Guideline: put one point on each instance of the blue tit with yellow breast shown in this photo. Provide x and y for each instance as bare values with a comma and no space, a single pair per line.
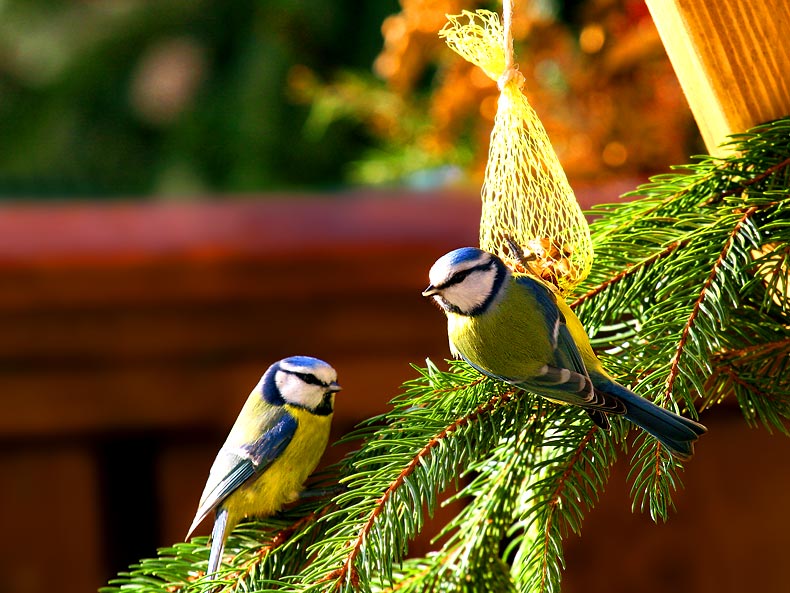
274,445
515,328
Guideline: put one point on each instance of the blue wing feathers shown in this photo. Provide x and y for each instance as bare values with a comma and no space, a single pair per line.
566,353
239,470
261,453
270,445
545,299
233,467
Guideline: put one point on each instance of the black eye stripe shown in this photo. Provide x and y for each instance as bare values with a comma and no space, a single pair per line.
461,276
308,378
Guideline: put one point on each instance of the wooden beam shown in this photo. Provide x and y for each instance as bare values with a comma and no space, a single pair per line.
732,58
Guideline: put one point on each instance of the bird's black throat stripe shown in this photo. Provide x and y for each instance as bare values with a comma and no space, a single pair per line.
325,407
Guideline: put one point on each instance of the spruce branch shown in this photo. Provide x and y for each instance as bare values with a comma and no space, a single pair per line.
697,299
770,171
491,497
567,481
700,304
630,270
549,556
415,470
688,303
348,570
655,477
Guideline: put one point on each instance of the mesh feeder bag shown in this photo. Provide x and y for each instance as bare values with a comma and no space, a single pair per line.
528,204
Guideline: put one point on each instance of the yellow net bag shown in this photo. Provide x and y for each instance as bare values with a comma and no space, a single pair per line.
527,200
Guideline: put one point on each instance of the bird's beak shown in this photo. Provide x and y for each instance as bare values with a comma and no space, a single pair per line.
334,387
430,291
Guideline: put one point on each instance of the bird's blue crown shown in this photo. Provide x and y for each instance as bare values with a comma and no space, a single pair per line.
464,255
305,362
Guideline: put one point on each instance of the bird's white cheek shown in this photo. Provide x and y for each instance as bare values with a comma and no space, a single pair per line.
287,384
465,297
308,396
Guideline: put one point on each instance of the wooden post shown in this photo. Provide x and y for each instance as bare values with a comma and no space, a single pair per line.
732,58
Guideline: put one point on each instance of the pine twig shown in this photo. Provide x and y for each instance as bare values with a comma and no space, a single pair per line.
554,501
628,271
348,570
674,366
756,179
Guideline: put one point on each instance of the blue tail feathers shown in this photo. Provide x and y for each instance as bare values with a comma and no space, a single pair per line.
675,432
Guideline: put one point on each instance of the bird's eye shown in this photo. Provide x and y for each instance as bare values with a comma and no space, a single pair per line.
460,276
309,378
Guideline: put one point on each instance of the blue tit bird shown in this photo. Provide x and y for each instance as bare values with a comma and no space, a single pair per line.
274,445
515,328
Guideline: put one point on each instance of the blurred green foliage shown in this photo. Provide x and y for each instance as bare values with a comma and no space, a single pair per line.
143,97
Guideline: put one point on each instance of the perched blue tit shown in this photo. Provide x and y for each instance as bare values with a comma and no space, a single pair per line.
515,328
274,445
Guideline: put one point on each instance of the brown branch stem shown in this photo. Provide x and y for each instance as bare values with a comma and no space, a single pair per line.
674,367
630,269
672,246
348,568
554,500
761,349
756,179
